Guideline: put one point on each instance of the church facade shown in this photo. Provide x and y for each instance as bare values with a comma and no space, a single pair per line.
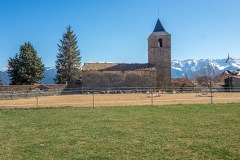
156,73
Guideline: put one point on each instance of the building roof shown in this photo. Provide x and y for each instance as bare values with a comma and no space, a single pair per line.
237,77
117,66
226,74
184,82
159,27
232,72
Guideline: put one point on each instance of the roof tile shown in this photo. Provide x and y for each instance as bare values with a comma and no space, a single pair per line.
117,66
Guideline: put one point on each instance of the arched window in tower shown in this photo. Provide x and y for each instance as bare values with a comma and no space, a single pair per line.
160,44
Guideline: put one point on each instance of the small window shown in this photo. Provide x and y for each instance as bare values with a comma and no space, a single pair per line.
160,44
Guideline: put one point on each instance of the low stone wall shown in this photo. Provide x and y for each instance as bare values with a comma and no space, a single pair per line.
25,91
29,87
15,88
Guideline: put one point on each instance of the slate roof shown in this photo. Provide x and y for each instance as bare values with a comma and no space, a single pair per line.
220,79
159,27
117,66
232,72
159,30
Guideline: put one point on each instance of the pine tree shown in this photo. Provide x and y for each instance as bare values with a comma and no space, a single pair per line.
26,67
68,63
13,68
1,81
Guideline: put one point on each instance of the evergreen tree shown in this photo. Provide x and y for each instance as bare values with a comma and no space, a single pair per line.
68,63
26,67
13,68
1,81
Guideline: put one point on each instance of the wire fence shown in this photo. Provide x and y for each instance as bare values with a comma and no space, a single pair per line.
124,96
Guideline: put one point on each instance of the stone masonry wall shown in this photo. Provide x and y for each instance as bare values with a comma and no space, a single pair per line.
26,91
235,82
118,79
161,58
17,88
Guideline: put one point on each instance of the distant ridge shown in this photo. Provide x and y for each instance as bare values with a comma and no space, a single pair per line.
190,67
49,75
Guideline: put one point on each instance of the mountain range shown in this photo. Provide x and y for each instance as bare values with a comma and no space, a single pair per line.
189,68
49,75
180,69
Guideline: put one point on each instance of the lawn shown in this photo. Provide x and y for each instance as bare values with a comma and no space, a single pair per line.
142,132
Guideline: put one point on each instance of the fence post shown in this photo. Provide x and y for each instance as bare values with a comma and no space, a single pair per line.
211,95
152,97
93,100
37,101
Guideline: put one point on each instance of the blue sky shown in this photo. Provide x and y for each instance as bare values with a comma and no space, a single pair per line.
117,30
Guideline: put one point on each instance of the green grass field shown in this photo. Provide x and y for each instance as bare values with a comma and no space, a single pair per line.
165,132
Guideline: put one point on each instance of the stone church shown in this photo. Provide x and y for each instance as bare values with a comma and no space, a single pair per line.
156,73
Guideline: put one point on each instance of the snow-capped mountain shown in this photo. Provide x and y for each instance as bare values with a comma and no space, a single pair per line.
4,76
190,67
49,75
180,69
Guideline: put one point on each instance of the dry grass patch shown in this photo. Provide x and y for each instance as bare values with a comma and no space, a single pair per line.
119,100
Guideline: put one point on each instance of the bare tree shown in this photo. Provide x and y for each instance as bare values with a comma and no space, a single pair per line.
206,77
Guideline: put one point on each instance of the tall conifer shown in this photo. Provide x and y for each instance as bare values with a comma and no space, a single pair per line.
26,67
68,63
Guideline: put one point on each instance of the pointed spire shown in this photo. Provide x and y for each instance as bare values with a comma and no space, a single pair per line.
159,27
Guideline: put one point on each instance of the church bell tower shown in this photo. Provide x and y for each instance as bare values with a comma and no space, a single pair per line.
159,54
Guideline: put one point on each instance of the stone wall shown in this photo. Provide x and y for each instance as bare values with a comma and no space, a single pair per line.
236,83
118,79
26,91
17,88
